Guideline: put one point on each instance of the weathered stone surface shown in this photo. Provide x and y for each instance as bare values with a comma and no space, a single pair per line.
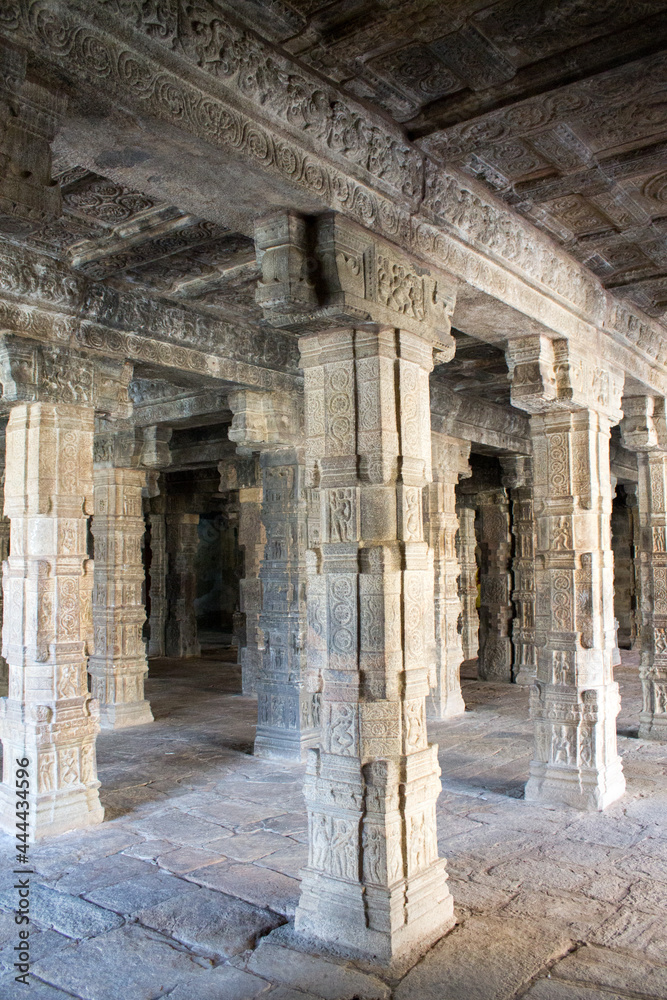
609,969
66,914
210,922
222,983
484,960
306,972
259,886
139,893
130,962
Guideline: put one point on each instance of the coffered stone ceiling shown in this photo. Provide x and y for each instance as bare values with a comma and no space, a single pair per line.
558,105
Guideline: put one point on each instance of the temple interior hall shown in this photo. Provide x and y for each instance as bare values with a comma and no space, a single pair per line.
333,463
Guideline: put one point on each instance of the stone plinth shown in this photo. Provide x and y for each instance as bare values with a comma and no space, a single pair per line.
118,665
374,885
49,715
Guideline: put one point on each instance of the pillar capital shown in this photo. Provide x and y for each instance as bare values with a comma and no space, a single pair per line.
329,272
549,375
644,424
263,421
32,372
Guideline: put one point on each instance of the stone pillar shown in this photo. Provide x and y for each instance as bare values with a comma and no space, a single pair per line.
644,429
517,476
287,711
4,553
244,476
157,620
285,724
49,715
632,501
495,611
118,666
575,701
374,885
182,539
622,543
466,545
450,460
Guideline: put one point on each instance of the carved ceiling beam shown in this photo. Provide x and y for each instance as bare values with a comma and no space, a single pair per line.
44,301
182,408
331,152
470,418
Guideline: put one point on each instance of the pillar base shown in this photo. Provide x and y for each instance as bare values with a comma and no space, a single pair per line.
451,707
282,744
124,714
53,813
652,727
409,918
525,677
588,789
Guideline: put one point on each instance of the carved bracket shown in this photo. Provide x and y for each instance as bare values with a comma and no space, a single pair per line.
550,374
335,273
263,421
644,423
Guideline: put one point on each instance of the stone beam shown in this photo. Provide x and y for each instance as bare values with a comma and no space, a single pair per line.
474,419
294,141
46,302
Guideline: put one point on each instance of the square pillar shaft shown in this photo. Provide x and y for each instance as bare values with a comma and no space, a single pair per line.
496,611
374,885
118,666
575,700
157,619
653,593
466,544
181,626
49,715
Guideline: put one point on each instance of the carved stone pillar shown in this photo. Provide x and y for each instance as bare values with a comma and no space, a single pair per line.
4,553
575,701
466,545
157,619
118,666
450,460
517,475
632,501
287,719
374,884
644,429
182,539
49,715
244,476
495,611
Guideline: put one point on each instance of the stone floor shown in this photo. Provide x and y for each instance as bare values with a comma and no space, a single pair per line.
184,888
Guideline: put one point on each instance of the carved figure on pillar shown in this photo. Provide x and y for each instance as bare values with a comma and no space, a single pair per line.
517,476
450,461
575,701
466,545
644,430
495,611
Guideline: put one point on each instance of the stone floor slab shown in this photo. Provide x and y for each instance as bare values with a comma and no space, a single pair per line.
610,969
129,963
332,981
222,983
36,990
213,923
551,989
139,893
488,958
73,917
101,873
260,886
